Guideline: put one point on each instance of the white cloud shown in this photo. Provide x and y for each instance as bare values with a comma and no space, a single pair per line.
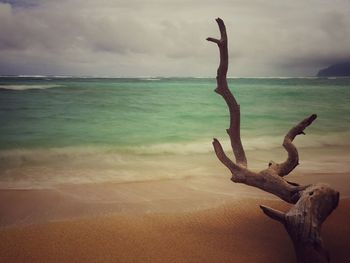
131,38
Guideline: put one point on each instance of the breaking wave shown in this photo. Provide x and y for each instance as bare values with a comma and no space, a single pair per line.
37,168
27,87
250,144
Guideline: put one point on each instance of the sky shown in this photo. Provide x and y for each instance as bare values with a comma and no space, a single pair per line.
130,38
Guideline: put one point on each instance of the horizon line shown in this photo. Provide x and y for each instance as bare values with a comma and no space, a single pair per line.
163,77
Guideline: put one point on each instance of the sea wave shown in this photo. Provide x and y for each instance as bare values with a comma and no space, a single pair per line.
36,168
27,87
179,148
249,143
151,79
42,168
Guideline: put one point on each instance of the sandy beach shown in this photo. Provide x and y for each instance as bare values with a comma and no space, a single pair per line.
187,220
119,120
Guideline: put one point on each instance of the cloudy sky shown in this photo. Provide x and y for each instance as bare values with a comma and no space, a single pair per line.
124,38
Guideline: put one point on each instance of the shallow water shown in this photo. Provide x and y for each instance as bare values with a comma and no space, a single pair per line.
57,130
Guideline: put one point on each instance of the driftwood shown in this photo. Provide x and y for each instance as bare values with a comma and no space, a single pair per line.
312,203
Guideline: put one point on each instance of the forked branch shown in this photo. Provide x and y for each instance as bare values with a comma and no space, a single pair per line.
292,161
313,203
222,89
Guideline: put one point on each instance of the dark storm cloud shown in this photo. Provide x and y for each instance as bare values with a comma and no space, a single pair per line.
128,38
21,3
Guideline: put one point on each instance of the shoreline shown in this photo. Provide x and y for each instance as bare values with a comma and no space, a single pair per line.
189,194
33,206
193,219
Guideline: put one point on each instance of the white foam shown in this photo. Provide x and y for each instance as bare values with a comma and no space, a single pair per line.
93,164
250,144
32,170
38,168
31,76
27,87
151,79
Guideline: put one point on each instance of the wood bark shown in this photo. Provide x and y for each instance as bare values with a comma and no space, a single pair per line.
312,203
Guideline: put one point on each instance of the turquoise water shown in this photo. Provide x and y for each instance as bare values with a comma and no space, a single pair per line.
48,119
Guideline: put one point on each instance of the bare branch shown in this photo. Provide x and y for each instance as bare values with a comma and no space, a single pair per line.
313,203
223,90
234,168
292,161
217,41
274,214
267,180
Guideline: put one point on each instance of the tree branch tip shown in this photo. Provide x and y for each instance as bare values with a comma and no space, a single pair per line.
273,213
217,144
310,119
211,39
219,20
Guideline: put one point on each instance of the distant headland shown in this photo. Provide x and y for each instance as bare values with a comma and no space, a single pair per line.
336,70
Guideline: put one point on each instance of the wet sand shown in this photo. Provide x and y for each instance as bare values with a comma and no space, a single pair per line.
187,220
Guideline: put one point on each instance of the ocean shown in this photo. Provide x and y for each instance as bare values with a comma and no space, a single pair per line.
57,130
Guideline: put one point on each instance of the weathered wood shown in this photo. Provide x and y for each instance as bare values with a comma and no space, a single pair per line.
222,89
293,157
267,180
304,220
313,203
